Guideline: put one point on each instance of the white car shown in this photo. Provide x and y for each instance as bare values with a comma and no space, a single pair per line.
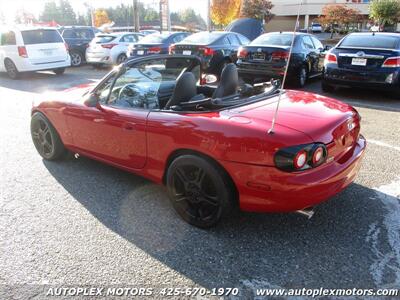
26,49
110,49
316,28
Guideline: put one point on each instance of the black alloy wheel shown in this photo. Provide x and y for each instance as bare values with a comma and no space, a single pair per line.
121,58
198,190
45,138
76,59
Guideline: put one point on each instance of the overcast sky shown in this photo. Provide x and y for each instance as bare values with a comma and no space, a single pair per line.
9,7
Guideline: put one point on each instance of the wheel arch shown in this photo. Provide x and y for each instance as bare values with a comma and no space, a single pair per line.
179,152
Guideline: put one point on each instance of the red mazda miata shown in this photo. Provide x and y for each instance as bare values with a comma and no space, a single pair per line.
210,145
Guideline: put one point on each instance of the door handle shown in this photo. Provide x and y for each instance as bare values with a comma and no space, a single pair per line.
129,126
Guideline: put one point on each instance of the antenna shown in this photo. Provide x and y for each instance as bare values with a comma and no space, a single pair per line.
271,130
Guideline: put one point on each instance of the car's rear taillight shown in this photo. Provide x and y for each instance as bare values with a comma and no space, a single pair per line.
301,157
66,46
392,62
207,51
154,50
330,58
108,46
22,51
171,49
278,55
242,53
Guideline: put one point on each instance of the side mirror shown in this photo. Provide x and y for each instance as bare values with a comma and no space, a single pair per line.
91,100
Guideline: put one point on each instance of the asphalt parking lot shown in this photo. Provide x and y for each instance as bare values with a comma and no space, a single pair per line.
82,222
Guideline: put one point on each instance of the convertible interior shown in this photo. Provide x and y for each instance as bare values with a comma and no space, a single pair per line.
178,84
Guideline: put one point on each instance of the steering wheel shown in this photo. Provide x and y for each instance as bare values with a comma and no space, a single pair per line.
129,91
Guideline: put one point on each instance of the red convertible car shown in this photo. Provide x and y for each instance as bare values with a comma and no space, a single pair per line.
209,145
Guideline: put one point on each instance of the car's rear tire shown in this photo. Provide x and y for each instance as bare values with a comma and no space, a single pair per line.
301,76
59,71
326,87
76,58
199,190
121,58
11,69
46,139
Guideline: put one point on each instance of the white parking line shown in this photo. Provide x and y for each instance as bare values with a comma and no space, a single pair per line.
383,144
387,259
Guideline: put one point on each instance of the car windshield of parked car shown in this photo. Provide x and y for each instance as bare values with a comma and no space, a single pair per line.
41,36
101,39
370,41
203,38
155,38
273,39
143,85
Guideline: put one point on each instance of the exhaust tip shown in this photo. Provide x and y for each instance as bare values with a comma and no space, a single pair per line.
307,212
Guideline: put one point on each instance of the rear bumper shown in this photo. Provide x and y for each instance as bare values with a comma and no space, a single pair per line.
99,58
267,189
384,79
24,65
262,70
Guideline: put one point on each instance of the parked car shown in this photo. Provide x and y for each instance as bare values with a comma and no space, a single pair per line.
110,49
316,28
266,57
25,49
216,153
148,31
364,60
216,48
78,39
156,43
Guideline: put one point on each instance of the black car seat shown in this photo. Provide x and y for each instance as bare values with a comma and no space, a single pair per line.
185,89
228,83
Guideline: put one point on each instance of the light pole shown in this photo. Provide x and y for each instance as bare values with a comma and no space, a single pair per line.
208,15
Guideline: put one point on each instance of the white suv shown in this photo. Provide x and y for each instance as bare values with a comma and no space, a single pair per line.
32,49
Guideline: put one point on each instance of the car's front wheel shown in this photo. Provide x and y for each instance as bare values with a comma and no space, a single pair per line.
199,190
45,138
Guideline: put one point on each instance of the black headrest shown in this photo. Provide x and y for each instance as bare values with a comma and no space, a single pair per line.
185,89
229,82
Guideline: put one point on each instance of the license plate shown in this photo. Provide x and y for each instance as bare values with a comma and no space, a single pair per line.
359,61
47,52
259,56
140,52
187,52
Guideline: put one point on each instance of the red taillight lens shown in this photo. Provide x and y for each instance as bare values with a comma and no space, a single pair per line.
318,156
242,53
171,49
22,51
154,50
66,46
300,159
330,58
392,62
207,51
280,55
108,46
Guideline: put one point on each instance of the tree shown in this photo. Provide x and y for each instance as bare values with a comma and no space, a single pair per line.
24,17
334,14
50,12
67,14
2,18
224,11
257,9
385,12
100,17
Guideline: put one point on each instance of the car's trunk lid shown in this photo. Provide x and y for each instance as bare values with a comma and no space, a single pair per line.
324,120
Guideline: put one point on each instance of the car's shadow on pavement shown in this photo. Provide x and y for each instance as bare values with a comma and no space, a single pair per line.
343,246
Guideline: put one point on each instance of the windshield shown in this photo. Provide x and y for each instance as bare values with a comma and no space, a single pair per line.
41,36
155,38
370,41
100,39
203,38
273,39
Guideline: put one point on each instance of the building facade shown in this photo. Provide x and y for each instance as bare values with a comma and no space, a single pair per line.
285,12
